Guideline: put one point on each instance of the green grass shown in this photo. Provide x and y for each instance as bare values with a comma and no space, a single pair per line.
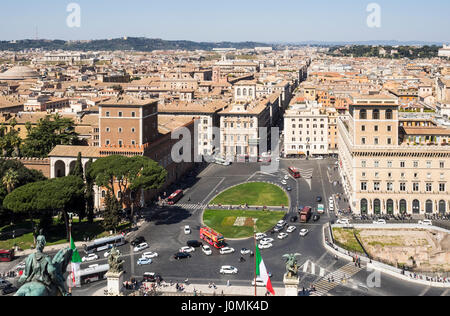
222,221
259,193
57,234
345,239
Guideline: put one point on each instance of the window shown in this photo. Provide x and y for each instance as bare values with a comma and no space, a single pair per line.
363,140
390,186
376,186
416,164
133,130
133,142
388,114
389,128
363,186
375,128
363,114
375,141
108,129
376,164
376,114
389,164
402,164
363,164
107,142
363,128
133,114
402,187
120,114
120,129
441,187
107,114
428,164
441,164
429,187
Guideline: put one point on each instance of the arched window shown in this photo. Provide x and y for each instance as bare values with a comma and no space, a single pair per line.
244,92
390,206
442,208
377,206
363,115
250,92
238,92
364,206
376,114
388,114
429,206
416,207
403,207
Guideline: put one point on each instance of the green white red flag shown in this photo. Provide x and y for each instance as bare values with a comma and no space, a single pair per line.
75,264
261,271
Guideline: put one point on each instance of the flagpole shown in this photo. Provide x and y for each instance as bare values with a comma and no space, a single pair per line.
254,237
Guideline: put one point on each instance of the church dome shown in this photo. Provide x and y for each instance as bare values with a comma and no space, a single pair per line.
19,73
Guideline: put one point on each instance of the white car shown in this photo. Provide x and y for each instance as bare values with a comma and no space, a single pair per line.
91,257
187,249
281,223
141,247
187,230
207,250
380,222
286,177
150,255
304,232
283,236
228,270
260,236
291,229
245,251
106,254
283,182
343,221
259,282
265,246
426,222
144,261
226,250
266,241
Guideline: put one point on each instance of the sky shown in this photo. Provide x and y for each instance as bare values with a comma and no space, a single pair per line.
231,20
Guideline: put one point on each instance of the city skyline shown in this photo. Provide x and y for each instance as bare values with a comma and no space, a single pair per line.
285,22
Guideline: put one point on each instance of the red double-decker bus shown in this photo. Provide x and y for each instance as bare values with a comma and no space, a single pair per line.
175,197
6,255
212,237
294,172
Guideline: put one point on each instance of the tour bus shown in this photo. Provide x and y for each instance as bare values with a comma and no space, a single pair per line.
294,172
6,255
211,237
175,197
221,161
104,244
93,273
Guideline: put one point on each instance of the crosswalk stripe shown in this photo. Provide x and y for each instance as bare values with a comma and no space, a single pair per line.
324,286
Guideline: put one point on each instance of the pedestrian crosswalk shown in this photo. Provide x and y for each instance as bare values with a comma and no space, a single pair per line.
334,279
311,268
190,206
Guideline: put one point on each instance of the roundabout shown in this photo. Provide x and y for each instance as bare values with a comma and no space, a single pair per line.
243,207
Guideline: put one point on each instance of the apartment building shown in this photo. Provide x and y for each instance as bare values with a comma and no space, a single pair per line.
306,130
389,169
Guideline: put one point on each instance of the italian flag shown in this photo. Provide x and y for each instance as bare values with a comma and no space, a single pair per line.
75,265
261,271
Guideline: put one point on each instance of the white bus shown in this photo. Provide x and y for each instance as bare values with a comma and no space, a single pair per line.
93,273
104,244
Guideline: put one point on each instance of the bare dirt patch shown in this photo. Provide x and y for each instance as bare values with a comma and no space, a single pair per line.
424,250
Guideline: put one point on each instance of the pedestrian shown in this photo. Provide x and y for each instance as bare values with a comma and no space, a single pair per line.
228,283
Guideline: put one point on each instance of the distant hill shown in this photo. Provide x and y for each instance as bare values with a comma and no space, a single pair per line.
130,43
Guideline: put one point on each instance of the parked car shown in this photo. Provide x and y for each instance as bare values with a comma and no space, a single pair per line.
278,228
228,270
141,247
343,221
266,241
90,257
194,243
265,246
260,236
283,236
182,255
291,229
187,249
137,241
282,223
150,255
207,250
226,250
426,222
380,222
304,232
144,261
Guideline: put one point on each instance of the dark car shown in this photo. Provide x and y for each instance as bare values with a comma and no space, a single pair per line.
278,228
181,255
137,241
316,217
194,243
9,290
289,189
319,199
294,219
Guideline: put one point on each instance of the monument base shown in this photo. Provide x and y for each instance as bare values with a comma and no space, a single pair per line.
115,283
291,285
